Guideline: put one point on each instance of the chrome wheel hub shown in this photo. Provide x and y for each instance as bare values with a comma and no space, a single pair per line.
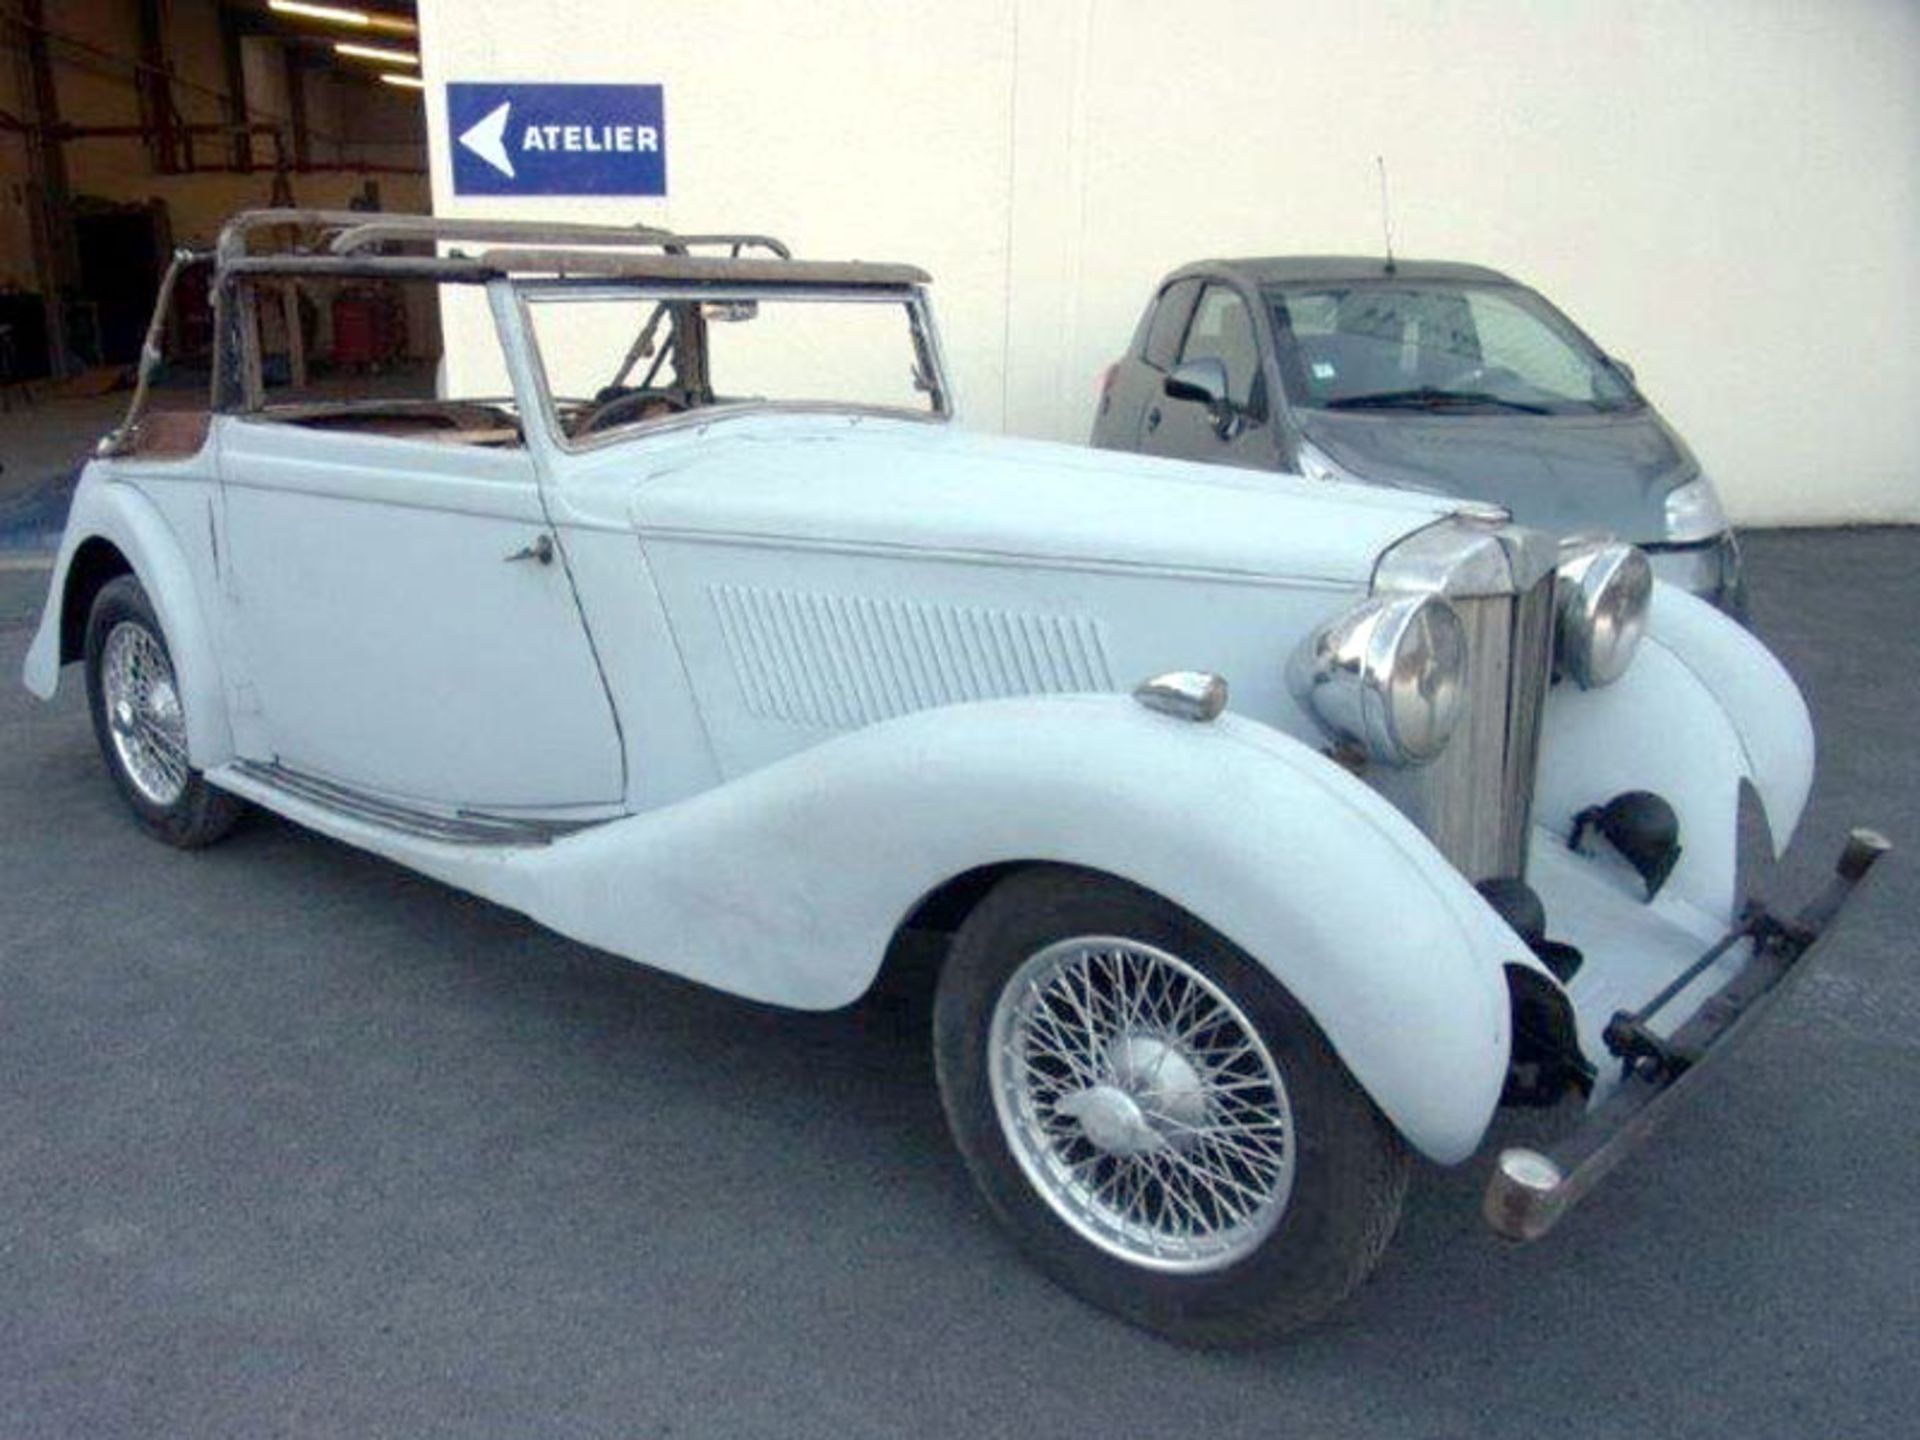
1111,1120
1153,1095
1141,1103
144,718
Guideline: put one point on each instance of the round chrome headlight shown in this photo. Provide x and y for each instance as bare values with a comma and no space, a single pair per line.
1603,597
1389,675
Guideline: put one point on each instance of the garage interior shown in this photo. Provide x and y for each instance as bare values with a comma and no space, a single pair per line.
132,128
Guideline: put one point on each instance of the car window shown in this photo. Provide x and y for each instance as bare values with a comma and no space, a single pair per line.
618,354
834,353
1447,348
364,355
1222,330
1512,340
1169,324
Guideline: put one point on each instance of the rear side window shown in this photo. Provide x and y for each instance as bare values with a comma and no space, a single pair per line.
1169,324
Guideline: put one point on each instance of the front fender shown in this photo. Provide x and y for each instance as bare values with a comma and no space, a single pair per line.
119,514
787,884
1704,707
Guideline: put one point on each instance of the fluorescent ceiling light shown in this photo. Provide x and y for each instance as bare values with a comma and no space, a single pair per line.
358,18
405,82
337,15
377,53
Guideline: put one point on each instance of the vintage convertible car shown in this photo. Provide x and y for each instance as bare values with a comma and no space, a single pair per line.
708,641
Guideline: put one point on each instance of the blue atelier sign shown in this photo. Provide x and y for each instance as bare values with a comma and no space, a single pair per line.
557,139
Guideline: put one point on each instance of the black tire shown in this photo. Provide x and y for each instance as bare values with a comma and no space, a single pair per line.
200,814
1349,1165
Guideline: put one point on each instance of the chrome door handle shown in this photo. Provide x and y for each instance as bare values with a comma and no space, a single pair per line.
541,550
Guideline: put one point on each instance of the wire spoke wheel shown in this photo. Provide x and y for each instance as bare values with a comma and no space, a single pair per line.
1141,1103
1158,1122
143,714
140,720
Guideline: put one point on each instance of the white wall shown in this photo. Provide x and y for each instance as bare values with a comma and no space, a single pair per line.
1726,194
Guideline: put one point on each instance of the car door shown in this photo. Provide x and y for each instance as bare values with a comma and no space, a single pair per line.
1223,329
407,627
1135,380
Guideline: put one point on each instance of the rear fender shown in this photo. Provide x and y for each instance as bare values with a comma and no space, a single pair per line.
787,885
127,520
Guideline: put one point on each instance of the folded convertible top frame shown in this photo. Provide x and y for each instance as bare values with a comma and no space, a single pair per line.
354,232
346,244
571,263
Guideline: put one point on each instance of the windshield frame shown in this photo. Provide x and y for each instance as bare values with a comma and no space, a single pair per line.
1291,373
922,332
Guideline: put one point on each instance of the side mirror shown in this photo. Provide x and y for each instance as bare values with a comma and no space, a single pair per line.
1625,369
1204,382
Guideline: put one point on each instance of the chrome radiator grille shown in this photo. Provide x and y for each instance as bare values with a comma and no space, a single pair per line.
1480,796
1475,801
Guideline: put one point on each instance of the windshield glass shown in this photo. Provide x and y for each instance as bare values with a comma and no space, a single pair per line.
617,356
1439,348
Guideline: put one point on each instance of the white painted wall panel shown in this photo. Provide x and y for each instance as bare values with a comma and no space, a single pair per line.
1725,194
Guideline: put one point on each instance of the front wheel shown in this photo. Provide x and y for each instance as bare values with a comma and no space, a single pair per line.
1158,1123
141,725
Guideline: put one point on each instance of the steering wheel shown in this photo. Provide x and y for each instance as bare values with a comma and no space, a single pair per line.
613,410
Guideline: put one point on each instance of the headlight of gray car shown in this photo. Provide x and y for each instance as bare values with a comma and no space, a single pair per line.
1603,593
1390,675
1694,512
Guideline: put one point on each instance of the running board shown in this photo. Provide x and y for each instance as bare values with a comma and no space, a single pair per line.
457,827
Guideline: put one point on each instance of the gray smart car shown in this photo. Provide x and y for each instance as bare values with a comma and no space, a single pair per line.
1423,375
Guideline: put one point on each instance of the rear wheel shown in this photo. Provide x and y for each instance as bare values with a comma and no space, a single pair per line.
141,725
1159,1124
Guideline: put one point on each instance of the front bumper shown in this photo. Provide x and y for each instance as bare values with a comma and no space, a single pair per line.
1532,1189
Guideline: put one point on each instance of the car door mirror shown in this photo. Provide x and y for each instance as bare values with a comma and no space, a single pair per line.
1625,369
1204,382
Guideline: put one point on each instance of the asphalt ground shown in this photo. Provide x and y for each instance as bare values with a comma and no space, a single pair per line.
295,1143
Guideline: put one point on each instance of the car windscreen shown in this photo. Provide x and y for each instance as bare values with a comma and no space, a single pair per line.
615,356
1441,349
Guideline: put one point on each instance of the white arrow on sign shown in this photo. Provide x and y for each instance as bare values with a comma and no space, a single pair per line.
487,138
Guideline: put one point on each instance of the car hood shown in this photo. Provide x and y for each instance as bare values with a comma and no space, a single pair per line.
1567,474
891,486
